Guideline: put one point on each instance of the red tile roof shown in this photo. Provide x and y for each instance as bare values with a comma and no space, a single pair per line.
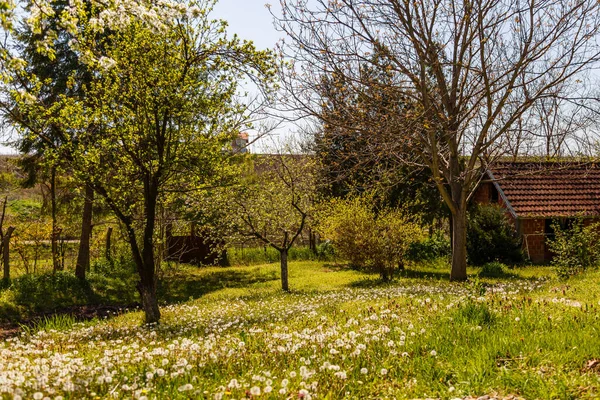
549,189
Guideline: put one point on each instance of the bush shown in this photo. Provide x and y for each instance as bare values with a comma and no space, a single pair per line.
432,248
492,269
492,237
114,282
48,292
9,310
575,249
375,240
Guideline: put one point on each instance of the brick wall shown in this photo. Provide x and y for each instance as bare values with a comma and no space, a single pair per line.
534,240
482,194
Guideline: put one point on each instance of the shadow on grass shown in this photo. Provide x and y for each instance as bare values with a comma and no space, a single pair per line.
181,287
375,281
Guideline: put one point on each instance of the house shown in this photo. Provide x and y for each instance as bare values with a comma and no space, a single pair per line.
535,194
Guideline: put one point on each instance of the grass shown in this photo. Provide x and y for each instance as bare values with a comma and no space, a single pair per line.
339,333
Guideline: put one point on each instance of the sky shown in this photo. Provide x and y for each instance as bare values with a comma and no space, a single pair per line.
250,19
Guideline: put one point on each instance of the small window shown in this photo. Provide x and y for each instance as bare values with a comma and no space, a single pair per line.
493,194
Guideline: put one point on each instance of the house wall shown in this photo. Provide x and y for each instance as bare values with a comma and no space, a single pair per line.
534,239
483,194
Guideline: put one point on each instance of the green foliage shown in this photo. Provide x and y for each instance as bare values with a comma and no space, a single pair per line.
433,247
575,249
493,269
366,238
8,181
9,310
112,281
48,292
25,208
491,236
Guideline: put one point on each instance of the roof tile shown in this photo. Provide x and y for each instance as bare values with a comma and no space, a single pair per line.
550,189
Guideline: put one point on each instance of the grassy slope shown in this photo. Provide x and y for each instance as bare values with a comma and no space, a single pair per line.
420,336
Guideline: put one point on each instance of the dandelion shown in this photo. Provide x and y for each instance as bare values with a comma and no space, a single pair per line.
268,389
341,374
234,384
38,396
517,319
185,388
383,371
255,391
433,353
364,371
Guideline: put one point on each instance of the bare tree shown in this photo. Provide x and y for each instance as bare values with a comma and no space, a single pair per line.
473,70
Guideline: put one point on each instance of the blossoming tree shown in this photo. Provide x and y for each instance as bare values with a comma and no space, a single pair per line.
161,104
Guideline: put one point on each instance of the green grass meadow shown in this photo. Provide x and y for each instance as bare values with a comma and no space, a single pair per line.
230,333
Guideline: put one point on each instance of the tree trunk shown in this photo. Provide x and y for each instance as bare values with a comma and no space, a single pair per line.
459,244
55,258
107,253
147,285
83,255
284,270
6,252
312,241
149,301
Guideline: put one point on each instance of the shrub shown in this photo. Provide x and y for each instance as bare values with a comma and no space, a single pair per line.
494,269
491,236
432,248
9,310
366,238
114,282
576,248
47,292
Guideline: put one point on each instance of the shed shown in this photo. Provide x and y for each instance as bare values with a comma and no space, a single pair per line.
535,194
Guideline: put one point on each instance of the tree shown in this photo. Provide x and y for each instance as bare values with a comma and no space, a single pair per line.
156,116
270,203
353,148
472,70
53,73
274,203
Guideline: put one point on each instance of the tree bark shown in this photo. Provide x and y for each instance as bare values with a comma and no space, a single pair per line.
312,241
107,250
83,255
459,244
284,270
147,269
54,239
6,252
